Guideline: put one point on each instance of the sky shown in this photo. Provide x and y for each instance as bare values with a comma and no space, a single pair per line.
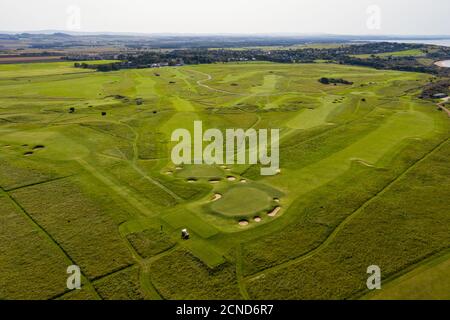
393,17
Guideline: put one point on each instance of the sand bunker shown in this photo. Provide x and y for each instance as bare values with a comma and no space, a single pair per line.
27,154
276,200
257,219
243,223
274,212
191,180
364,163
39,147
178,168
231,178
243,181
214,181
216,197
169,172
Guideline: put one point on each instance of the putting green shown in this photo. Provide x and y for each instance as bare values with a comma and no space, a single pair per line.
242,201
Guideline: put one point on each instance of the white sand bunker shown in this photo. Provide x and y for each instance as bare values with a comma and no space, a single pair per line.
216,197
257,219
214,181
224,167
243,223
178,168
364,163
191,180
231,178
243,181
274,212
169,172
276,200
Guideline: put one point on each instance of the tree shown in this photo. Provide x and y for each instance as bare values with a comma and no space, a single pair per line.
324,81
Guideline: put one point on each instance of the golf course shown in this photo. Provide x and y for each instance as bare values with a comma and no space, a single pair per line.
86,179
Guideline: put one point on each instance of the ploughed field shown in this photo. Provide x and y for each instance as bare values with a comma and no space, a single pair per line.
86,179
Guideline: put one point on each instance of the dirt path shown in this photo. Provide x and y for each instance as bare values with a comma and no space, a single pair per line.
442,105
135,166
150,291
209,78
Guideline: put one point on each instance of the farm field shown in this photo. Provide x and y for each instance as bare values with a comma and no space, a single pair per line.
86,178
404,53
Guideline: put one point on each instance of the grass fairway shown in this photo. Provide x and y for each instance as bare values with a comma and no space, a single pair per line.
86,179
310,118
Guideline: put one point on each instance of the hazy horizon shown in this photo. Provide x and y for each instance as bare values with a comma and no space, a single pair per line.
281,34
238,17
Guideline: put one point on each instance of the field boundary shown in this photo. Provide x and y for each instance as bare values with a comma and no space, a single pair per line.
49,238
365,294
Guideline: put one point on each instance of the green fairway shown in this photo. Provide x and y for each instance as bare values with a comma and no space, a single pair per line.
311,118
86,178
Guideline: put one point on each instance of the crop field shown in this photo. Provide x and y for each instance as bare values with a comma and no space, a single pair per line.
404,53
86,179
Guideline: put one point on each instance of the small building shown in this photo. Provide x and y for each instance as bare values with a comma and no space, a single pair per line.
185,234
